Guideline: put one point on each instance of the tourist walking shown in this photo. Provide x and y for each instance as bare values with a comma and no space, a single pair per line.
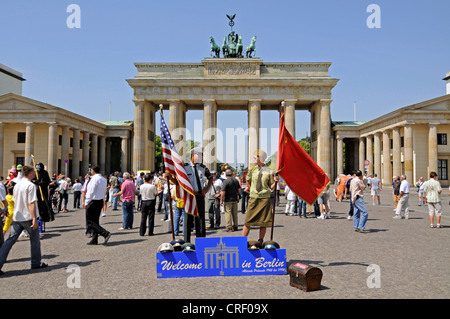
148,203
244,191
432,191
403,202
324,206
396,191
290,201
26,214
348,195
229,197
360,213
127,191
420,191
93,203
76,188
375,189
213,202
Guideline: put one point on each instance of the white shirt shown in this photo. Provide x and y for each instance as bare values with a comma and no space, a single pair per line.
375,182
404,187
77,187
96,188
148,191
2,192
290,195
24,194
62,185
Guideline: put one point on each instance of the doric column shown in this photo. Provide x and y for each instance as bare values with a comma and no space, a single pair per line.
65,145
102,155
289,116
52,158
108,156
1,146
377,154
396,152
139,136
210,133
150,151
124,154
177,125
340,155
362,153
432,148
29,141
408,152
254,122
76,154
324,137
387,169
94,149
85,167
369,154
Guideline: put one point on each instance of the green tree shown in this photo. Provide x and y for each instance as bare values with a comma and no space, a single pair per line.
159,163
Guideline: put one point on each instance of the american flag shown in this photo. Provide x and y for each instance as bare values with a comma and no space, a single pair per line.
174,165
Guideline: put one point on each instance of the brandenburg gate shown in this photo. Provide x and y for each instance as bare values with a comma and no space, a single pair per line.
230,83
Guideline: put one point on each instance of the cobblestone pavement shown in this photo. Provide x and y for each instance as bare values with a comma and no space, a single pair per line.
413,259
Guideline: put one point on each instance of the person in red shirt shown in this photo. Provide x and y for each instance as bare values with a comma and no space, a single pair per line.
127,191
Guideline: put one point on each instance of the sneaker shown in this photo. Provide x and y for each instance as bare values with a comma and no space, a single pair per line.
432,226
439,226
397,217
349,217
42,265
121,228
328,216
321,217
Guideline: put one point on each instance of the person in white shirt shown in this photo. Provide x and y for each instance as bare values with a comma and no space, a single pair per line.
26,214
76,194
403,203
148,197
63,190
290,204
93,203
375,189
432,192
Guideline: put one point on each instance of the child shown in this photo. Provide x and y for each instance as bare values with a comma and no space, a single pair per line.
9,218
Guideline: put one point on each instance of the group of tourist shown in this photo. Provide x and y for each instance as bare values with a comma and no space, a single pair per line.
256,189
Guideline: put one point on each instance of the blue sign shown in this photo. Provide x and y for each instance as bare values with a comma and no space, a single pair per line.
221,256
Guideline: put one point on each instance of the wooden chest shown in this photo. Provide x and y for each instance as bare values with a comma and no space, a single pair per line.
305,277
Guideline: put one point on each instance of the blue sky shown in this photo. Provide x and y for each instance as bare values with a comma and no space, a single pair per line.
82,70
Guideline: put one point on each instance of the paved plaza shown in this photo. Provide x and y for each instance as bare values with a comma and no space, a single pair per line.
413,259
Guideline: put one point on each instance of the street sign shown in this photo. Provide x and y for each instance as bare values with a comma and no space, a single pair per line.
66,161
366,163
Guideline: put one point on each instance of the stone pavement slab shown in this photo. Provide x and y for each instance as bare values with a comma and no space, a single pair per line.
411,258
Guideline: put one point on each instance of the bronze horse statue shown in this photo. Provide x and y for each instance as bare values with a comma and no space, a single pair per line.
215,49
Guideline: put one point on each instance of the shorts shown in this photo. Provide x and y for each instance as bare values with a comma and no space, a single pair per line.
435,209
323,199
375,192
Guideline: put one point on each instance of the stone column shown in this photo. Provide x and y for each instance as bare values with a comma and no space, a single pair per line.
76,154
52,158
324,137
177,125
102,155
396,152
289,115
108,156
94,150
408,152
387,169
210,133
1,145
340,156
85,167
254,122
29,142
432,148
139,136
362,153
377,154
65,145
150,109
124,154
369,154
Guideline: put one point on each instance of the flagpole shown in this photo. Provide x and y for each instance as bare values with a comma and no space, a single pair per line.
168,189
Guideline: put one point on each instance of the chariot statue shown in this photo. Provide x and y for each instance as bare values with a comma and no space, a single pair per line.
232,46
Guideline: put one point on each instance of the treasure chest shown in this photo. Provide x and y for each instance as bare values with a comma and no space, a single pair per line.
305,277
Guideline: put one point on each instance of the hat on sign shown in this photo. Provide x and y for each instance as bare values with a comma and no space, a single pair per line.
165,248
270,244
177,244
254,244
188,247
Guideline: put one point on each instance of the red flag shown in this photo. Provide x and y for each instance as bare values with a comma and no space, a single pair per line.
303,176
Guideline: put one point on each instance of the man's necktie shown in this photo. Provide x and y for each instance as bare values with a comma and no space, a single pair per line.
199,185
259,182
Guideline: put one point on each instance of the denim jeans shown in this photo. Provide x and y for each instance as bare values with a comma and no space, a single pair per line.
179,216
360,214
35,242
115,199
127,214
301,204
